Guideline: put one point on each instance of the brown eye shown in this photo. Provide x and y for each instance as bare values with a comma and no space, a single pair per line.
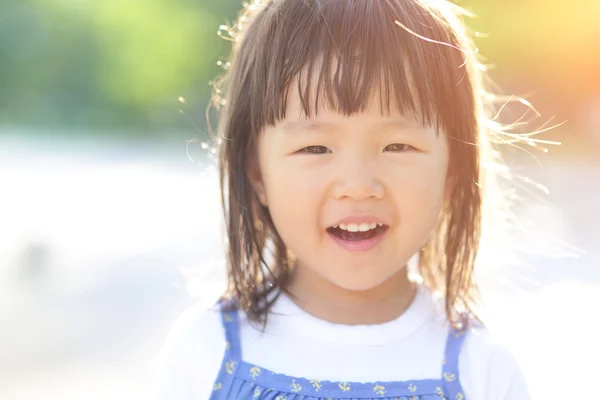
315,150
399,148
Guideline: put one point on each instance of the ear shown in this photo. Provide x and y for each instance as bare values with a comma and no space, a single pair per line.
256,179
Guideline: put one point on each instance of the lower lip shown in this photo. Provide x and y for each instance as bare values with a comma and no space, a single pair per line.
359,245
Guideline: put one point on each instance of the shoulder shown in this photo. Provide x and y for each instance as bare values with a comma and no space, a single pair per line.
488,368
197,327
191,355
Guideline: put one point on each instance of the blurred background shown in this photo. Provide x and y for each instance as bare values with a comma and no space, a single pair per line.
109,222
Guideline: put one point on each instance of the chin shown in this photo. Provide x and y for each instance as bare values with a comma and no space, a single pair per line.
358,283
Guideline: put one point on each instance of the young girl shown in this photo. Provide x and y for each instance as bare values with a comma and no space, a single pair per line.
353,138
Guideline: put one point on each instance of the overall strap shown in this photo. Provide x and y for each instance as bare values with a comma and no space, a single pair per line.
452,387
230,321
233,351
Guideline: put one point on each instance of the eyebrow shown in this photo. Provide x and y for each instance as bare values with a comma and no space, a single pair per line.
308,125
304,125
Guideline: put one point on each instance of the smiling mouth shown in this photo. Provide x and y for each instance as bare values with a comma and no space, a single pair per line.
357,236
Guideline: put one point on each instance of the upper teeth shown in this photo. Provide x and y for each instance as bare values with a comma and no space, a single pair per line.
365,226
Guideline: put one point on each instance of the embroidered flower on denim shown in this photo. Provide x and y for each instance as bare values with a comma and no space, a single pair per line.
344,386
229,366
440,392
380,390
254,372
448,376
316,384
296,387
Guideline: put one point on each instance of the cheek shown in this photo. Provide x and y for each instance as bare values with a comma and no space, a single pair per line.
294,196
284,176
286,179
419,193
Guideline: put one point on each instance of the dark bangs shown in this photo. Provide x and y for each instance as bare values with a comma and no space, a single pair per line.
343,54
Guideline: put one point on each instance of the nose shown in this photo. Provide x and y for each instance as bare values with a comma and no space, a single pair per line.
357,180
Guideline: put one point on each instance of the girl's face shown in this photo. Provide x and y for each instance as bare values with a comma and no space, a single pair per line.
324,177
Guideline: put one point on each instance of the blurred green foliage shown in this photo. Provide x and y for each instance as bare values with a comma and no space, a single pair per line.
109,63
106,64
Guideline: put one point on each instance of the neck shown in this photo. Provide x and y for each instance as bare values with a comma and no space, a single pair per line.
326,301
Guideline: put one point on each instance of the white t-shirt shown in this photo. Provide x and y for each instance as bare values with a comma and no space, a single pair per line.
298,344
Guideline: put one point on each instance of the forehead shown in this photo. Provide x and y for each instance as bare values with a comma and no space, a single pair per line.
333,121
